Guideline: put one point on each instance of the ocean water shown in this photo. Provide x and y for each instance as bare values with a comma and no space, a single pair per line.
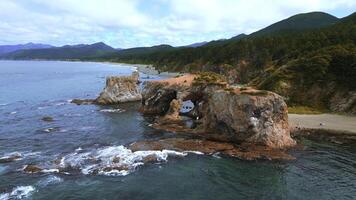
84,140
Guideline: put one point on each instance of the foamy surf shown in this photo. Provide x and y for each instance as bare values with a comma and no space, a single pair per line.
19,192
108,161
118,110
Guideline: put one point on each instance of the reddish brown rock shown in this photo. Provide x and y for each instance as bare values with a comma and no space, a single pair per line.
245,151
221,112
32,169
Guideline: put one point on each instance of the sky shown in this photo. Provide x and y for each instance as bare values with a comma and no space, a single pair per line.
133,23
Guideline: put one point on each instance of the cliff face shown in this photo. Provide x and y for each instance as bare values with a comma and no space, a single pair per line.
253,116
220,112
120,89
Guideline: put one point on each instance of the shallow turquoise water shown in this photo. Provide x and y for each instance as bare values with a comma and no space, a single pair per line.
31,90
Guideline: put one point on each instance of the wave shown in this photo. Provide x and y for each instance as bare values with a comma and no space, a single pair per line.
108,161
19,192
118,110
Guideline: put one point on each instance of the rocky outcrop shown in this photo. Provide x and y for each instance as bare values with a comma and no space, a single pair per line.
258,117
221,112
120,89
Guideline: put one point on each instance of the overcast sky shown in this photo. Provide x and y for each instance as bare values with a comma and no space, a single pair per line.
131,23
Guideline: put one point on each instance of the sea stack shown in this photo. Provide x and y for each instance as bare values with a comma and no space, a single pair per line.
120,89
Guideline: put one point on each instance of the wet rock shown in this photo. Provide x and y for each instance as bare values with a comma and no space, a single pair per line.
246,151
150,159
10,158
120,89
47,119
118,168
32,169
83,101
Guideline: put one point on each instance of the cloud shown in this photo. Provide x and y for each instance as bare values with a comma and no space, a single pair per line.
129,23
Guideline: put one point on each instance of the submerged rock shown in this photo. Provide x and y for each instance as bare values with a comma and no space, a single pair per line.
47,119
221,112
83,101
120,89
10,158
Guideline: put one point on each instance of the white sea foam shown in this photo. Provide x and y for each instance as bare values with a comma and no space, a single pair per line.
19,192
50,170
14,156
12,113
114,160
194,152
118,110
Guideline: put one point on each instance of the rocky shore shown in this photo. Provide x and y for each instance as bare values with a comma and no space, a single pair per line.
236,121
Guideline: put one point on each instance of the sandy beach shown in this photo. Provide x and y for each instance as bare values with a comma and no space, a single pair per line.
324,121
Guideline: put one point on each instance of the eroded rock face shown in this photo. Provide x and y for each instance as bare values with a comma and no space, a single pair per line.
221,112
156,98
120,89
257,117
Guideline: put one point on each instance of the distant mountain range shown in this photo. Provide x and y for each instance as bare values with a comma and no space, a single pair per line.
300,22
80,51
4,49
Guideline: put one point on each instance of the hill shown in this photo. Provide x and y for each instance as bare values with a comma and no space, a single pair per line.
300,22
67,52
309,66
4,49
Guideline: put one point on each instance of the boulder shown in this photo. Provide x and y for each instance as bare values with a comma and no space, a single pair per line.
253,116
120,89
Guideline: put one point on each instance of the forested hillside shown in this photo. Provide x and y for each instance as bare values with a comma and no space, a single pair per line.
313,67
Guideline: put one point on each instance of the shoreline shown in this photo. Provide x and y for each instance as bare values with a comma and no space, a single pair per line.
146,69
334,128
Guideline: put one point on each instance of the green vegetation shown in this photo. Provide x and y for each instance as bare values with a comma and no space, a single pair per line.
209,78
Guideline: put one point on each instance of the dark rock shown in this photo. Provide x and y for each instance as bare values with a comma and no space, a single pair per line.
47,119
83,101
